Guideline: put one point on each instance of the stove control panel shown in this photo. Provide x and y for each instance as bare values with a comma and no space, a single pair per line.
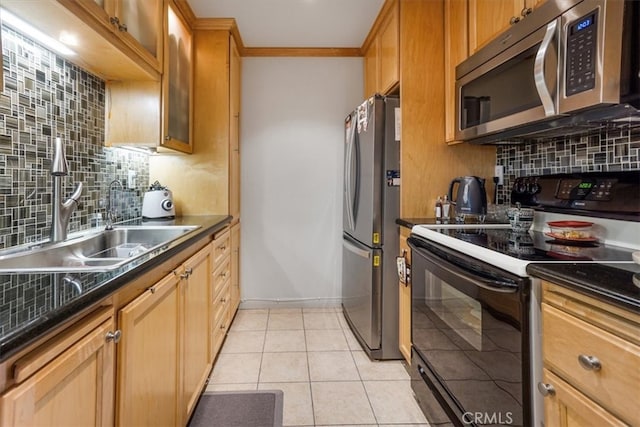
597,192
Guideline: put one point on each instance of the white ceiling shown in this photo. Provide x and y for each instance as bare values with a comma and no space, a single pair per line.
295,23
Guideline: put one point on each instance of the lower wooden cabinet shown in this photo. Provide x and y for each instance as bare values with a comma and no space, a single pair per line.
235,268
148,357
66,381
164,356
196,309
591,355
404,310
169,335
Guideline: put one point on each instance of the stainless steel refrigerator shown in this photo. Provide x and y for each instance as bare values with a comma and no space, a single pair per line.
370,234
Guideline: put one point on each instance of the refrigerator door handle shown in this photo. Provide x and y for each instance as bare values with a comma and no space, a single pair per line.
356,250
350,201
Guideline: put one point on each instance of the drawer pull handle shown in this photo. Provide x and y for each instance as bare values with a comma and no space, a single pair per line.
113,336
546,389
590,363
223,300
222,248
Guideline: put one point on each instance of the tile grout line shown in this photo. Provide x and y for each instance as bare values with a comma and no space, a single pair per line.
304,332
373,412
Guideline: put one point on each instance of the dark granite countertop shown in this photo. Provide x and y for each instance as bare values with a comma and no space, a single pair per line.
612,283
32,304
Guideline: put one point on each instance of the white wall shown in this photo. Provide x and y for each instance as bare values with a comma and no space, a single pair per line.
291,136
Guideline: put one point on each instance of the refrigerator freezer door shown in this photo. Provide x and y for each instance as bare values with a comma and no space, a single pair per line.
362,288
364,172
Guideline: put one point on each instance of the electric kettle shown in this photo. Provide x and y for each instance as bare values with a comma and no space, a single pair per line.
470,198
158,203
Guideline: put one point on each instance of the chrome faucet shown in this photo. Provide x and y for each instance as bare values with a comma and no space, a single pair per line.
111,214
61,211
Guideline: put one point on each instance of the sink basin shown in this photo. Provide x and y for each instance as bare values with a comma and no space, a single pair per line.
92,251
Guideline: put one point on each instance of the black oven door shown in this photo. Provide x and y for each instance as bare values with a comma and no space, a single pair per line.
470,338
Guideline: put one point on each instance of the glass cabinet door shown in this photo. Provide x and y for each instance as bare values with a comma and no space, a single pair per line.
142,21
177,84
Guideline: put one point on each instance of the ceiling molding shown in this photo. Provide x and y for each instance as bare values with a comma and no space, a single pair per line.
303,51
186,11
221,24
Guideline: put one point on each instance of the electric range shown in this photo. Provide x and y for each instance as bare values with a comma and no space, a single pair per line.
475,306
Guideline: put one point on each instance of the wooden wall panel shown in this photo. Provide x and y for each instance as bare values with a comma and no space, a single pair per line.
427,163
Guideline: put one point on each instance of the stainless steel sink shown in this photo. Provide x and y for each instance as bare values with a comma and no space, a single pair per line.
91,251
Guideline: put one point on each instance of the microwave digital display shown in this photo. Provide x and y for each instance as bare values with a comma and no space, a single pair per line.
586,22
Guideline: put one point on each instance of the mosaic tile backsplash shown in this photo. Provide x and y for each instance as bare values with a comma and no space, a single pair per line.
613,149
44,97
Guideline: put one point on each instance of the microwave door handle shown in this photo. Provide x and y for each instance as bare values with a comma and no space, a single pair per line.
538,70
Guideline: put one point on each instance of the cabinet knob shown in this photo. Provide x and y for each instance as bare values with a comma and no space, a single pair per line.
114,20
546,389
167,137
514,20
113,336
590,363
123,27
525,11
187,273
223,300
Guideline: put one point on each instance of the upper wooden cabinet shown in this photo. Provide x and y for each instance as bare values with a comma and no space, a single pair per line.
153,114
177,83
488,18
138,23
382,52
456,50
117,40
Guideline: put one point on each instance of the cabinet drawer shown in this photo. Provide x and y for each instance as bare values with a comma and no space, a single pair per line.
568,407
221,305
221,276
567,339
221,247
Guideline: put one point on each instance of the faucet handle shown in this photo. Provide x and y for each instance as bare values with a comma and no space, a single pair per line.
77,193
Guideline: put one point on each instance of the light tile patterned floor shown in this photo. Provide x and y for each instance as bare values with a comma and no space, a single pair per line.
313,357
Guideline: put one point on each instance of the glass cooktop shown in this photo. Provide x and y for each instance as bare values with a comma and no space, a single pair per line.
536,246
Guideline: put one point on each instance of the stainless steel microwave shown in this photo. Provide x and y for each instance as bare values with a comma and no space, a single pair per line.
569,66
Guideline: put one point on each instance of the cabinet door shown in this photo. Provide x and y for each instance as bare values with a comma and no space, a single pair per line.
235,270
371,69
139,23
456,50
195,329
488,18
75,388
404,312
389,51
234,130
148,357
177,83
567,407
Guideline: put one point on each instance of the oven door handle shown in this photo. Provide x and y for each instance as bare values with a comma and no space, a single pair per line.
499,286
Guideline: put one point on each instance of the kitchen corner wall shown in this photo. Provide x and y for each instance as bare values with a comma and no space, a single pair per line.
292,152
610,149
46,96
